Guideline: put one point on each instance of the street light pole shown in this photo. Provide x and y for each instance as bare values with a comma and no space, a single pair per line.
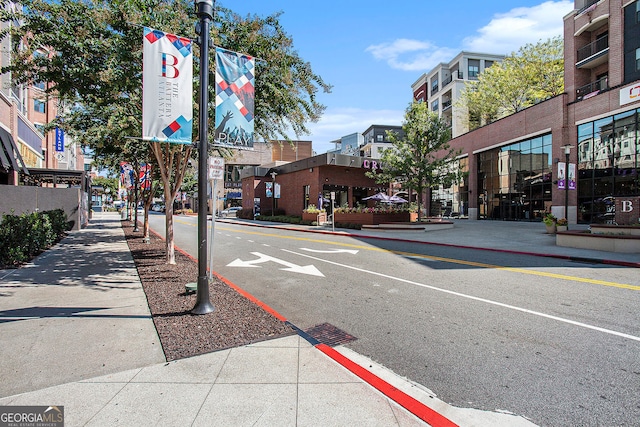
273,194
205,15
567,151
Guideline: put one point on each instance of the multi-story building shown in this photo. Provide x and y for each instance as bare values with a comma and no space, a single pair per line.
24,112
441,87
602,81
348,144
517,165
376,140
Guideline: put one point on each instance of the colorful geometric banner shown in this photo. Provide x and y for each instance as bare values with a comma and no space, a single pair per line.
126,175
145,176
235,96
167,86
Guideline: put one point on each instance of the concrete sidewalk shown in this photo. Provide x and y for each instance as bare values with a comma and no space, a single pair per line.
77,332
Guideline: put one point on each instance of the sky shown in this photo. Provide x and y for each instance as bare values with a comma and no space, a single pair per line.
372,51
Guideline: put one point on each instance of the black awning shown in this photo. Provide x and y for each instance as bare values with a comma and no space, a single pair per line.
10,158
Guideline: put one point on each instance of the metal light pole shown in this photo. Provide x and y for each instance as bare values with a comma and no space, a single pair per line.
567,151
273,194
135,208
205,15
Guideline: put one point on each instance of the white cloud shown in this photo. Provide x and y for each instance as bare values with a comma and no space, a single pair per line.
507,32
411,55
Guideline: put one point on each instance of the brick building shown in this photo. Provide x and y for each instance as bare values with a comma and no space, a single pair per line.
300,183
516,165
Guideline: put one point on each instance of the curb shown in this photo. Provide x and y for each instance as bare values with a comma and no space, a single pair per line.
417,408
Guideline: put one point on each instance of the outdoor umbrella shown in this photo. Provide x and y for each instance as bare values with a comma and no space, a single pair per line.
397,199
381,197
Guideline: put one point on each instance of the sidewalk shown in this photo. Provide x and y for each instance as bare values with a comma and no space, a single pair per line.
77,333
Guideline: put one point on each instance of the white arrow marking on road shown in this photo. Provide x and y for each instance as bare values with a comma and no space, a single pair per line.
307,269
331,251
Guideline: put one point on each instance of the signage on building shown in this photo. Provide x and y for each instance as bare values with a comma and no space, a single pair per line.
59,139
630,94
627,210
371,164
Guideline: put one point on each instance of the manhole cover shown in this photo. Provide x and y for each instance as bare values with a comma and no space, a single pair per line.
330,335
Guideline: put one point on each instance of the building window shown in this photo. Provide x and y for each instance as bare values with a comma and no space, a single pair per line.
638,12
434,105
607,149
515,181
487,64
474,68
434,85
380,138
638,59
39,85
39,106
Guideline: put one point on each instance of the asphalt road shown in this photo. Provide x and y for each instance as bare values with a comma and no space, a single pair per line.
555,341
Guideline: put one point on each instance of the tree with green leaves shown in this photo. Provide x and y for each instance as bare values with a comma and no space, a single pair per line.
423,158
90,53
524,78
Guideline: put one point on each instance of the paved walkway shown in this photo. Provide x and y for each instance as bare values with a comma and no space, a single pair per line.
77,332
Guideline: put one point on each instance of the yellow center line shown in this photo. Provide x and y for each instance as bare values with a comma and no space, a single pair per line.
449,260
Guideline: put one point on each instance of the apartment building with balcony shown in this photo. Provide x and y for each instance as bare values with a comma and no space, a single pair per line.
441,87
602,82
514,164
376,140
29,154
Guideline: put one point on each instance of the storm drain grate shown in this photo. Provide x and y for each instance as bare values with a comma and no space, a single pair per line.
330,335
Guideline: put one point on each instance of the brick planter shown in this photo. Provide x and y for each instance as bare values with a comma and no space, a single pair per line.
371,218
320,217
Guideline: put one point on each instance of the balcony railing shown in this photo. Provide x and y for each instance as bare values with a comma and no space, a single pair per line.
587,5
457,74
593,48
592,88
446,104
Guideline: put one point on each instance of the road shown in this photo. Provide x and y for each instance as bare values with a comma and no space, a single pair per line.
555,341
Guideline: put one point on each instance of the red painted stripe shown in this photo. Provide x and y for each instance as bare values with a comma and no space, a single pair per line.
414,406
233,286
251,298
417,408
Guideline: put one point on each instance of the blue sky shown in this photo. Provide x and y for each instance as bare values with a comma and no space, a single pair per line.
373,51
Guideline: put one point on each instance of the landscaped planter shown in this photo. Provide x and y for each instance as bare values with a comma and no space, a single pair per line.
608,238
320,217
370,218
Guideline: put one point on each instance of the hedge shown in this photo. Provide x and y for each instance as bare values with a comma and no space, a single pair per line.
24,236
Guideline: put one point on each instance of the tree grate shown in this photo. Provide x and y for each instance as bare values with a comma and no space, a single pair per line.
330,335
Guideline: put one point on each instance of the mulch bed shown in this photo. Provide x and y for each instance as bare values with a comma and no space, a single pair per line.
236,321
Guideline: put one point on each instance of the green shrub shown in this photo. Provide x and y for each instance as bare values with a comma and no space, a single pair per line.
25,236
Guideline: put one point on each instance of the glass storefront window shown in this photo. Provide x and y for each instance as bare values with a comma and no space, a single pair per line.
514,181
608,165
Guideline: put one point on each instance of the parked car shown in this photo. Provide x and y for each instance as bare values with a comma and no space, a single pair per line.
230,212
157,207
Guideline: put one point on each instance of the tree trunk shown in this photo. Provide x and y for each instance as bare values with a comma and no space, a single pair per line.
170,247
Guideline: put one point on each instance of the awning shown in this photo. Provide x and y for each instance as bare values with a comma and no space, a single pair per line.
10,158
